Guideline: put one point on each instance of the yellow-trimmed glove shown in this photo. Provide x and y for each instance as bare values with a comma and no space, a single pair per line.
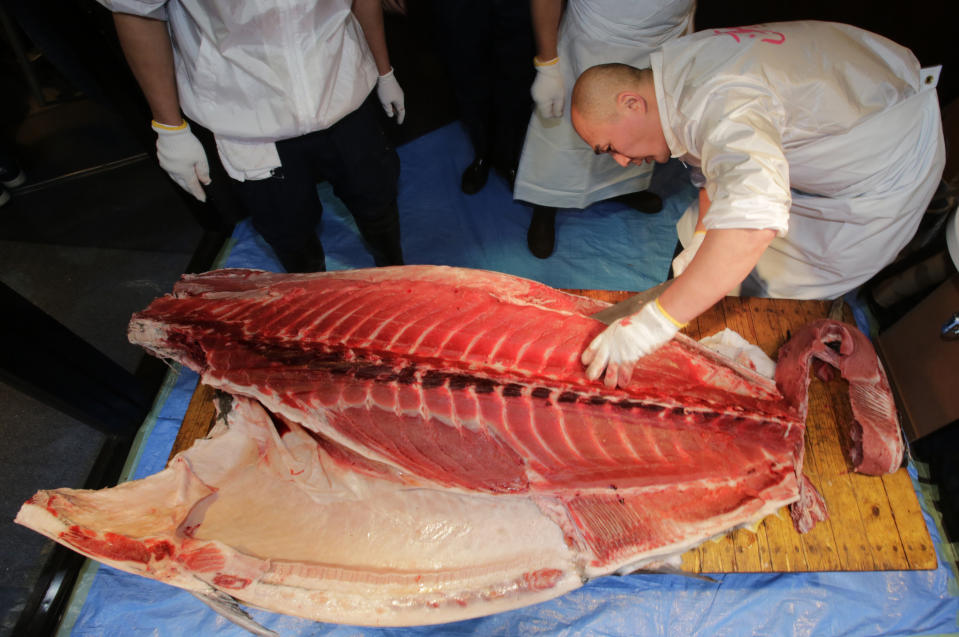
181,154
683,259
391,96
620,346
548,90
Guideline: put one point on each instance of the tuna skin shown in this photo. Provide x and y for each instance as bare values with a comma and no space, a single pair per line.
463,385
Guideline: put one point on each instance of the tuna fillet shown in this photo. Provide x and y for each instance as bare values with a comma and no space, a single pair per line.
420,444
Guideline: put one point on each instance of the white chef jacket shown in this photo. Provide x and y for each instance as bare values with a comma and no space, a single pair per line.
258,71
557,168
826,133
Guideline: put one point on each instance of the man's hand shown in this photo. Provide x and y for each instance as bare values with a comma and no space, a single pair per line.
181,155
620,346
548,90
391,96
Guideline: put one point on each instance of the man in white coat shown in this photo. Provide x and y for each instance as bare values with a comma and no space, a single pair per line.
820,145
288,92
556,170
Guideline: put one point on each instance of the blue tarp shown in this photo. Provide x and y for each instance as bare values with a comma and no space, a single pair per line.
604,247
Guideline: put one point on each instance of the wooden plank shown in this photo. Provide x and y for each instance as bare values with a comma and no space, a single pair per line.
786,551
916,543
875,523
198,420
743,545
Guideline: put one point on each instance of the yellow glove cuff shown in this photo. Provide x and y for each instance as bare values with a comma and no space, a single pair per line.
552,62
157,124
659,306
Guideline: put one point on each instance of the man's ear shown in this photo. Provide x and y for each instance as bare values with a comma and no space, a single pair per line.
632,102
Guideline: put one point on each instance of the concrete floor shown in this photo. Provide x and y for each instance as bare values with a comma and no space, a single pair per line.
96,233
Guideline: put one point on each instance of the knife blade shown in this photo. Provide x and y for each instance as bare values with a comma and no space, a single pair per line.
631,305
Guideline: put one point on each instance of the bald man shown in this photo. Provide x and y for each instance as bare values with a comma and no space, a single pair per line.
820,146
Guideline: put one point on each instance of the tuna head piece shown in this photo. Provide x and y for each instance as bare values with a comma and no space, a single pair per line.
420,444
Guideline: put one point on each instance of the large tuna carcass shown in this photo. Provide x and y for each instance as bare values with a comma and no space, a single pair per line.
420,444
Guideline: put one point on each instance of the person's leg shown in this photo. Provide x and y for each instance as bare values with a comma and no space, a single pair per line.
512,50
285,209
363,167
464,30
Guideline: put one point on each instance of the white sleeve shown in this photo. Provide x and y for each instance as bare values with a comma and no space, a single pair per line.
155,9
747,176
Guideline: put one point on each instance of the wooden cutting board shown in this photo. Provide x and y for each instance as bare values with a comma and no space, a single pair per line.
875,523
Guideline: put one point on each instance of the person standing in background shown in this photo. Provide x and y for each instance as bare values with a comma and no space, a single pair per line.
288,94
556,169
488,45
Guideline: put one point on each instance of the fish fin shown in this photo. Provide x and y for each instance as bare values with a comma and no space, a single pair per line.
227,607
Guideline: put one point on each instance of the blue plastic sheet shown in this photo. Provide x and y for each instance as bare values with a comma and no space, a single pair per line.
604,247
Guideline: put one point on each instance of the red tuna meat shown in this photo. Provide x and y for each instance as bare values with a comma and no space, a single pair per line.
450,381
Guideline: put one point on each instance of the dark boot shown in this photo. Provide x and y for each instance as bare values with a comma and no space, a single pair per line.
475,176
383,238
309,258
642,201
541,236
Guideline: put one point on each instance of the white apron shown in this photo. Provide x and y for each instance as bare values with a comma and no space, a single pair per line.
559,169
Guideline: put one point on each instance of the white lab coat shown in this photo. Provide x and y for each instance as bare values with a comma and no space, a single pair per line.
256,72
828,134
557,168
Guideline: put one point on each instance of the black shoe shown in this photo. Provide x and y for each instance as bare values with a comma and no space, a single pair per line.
475,176
541,236
642,201
509,176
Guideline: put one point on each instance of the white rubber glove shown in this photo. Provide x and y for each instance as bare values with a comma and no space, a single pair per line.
391,96
548,90
683,259
620,346
181,154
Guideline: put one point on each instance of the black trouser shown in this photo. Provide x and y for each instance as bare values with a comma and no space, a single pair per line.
356,158
489,51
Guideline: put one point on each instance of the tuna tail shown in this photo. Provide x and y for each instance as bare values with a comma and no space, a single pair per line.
226,606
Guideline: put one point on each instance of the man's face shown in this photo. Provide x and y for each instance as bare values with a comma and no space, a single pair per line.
631,137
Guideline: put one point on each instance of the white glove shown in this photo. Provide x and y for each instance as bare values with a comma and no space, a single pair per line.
618,348
391,96
548,90
181,154
683,259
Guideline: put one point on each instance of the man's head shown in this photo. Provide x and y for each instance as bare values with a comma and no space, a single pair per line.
614,110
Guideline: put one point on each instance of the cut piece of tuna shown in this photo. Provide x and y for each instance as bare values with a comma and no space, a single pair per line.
877,445
439,386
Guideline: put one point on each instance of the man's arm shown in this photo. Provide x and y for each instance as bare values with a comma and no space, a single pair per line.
548,89
369,13
724,260
149,53
546,15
